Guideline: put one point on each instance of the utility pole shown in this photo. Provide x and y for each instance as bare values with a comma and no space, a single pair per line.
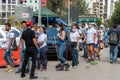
69,4
39,13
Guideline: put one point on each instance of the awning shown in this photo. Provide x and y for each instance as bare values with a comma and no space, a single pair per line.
45,12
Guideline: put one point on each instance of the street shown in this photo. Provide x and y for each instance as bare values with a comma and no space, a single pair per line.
102,71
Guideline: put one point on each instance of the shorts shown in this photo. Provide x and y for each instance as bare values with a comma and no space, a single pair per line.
95,45
90,44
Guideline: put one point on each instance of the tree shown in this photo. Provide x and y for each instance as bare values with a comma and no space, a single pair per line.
78,7
115,19
11,20
99,21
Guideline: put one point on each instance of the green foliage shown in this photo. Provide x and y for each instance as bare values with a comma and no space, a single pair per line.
99,21
78,7
115,19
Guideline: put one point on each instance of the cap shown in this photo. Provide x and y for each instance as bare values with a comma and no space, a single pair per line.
28,23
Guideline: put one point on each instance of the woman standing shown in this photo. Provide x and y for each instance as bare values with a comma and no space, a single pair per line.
61,47
74,38
42,41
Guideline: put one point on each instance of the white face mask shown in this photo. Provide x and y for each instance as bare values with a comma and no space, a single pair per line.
58,29
73,30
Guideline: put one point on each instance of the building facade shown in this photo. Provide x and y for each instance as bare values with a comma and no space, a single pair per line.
7,8
34,3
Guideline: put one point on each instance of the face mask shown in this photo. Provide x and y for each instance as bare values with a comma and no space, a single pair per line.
73,30
58,29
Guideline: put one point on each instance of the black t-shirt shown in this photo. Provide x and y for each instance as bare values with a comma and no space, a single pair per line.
28,36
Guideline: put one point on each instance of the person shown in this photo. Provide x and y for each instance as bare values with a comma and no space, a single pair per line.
83,29
42,41
8,48
74,38
100,37
61,47
80,37
35,27
113,47
96,53
106,38
22,50
90,38
32,48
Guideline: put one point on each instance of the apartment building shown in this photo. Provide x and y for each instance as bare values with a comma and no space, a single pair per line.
101,9
34,3
7,8
110,7
95,8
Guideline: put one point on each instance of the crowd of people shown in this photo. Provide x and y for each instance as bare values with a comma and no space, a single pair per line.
33,44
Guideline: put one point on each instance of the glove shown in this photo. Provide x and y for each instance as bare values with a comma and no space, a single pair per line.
38,50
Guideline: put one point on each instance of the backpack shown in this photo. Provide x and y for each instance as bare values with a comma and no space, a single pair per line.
113,38
15,47
14,43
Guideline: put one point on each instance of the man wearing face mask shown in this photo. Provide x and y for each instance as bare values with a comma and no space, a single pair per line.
22,52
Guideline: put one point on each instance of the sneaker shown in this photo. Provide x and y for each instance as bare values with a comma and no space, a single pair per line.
33,77
67,66
22,76
27,71
111,61
8,67
10,70
75,67
18,71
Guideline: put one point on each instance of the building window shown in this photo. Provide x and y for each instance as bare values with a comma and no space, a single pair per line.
35,8
3,1
3,15
35,1
25,1
30,1
3,8
9,1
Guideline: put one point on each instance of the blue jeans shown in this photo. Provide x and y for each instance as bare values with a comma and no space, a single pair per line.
8,57
42,57
22,53
85,50
62,53
113,53
75,56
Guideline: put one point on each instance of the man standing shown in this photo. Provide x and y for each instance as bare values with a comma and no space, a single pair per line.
113,36
8,48
22,52
28,37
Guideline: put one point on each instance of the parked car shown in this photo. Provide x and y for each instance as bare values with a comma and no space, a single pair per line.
16,54
52,42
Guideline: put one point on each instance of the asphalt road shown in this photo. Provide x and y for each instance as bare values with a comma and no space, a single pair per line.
85,71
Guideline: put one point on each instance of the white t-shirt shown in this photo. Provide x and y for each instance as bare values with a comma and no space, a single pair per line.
42,37
9,35
96,39
90,35
73,36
